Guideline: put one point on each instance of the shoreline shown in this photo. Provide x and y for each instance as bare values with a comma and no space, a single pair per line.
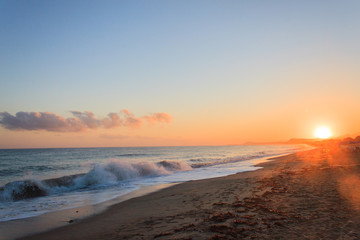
56,219
51,221
306,195
266,162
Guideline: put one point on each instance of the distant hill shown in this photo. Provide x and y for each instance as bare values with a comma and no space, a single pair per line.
311,141
350,140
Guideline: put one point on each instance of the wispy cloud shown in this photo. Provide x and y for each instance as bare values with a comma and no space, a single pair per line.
158,117
80,121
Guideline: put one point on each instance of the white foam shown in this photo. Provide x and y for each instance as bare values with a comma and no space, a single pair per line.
115,177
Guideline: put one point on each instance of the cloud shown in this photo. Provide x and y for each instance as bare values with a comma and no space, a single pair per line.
87,118
113,120
130,120
158,117
80,121
40,121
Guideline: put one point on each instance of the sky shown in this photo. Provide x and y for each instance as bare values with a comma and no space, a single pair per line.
163,73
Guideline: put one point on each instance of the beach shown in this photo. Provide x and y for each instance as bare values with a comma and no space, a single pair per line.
183,120
307,195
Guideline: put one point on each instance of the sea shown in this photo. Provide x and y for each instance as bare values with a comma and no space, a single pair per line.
38,181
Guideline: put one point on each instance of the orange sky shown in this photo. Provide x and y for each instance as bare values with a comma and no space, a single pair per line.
186,73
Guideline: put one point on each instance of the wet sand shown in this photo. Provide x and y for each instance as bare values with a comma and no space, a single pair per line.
18,228
309,195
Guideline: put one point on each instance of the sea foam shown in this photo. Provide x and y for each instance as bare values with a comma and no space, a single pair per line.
101,175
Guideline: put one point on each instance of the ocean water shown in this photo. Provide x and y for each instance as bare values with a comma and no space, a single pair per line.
37,181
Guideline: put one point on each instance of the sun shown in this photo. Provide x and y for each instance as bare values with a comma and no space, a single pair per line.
322,132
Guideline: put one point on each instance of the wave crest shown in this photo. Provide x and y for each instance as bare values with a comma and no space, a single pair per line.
100,175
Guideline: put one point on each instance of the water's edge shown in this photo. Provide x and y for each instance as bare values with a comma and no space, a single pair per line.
18,228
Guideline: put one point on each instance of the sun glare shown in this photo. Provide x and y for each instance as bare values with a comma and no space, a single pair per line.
322,132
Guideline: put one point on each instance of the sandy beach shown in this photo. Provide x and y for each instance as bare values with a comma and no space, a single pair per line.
154,120
309,195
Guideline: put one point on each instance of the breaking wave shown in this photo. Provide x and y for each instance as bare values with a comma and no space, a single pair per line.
101,175
112,173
